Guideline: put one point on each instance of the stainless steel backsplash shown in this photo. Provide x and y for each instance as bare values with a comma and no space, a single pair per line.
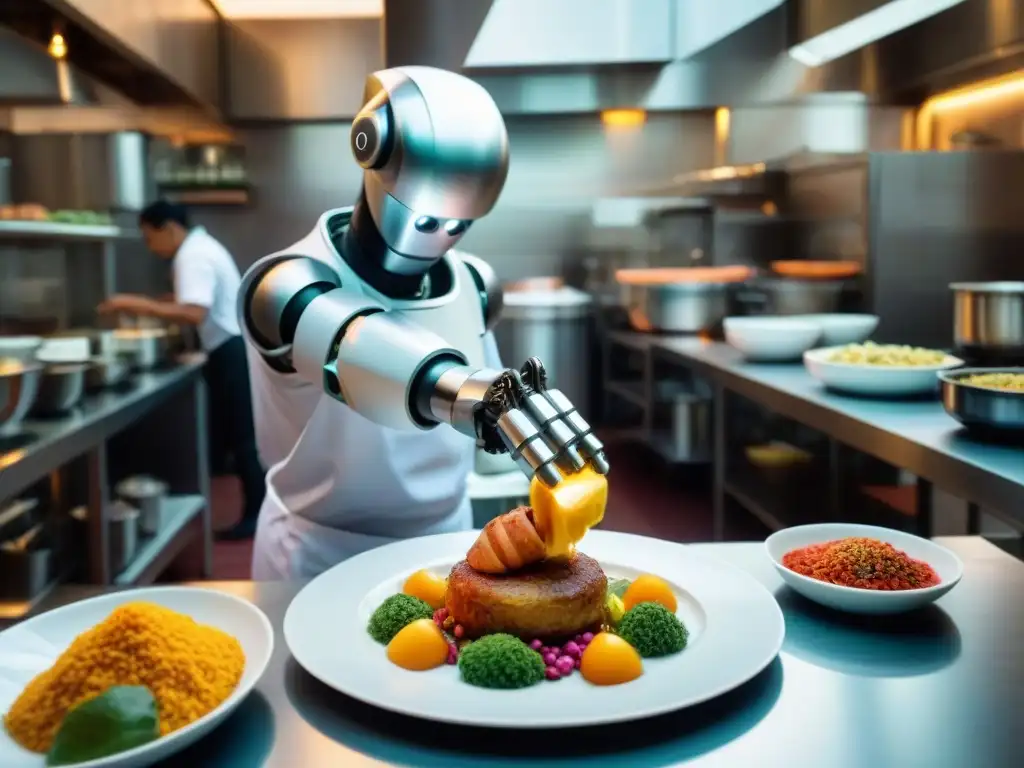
560,165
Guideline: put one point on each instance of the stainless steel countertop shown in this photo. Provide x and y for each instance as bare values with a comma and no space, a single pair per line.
51,443
916,435
940,688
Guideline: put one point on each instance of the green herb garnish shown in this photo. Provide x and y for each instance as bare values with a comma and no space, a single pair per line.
618,587
119,719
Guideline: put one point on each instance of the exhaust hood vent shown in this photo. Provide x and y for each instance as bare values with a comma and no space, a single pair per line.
29,76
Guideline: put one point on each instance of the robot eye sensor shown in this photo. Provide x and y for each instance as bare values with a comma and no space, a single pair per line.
371,137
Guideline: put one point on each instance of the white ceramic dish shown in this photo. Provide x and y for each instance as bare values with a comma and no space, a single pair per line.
842,328
851,599
880,380
32,646
64,350
771,339
736,630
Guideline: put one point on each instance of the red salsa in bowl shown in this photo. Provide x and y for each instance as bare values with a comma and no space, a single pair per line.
862,563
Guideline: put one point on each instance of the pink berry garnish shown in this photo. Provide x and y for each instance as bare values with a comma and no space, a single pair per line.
578,663
550,659
459,631
565,665
588,636
536,645
572,649
552,674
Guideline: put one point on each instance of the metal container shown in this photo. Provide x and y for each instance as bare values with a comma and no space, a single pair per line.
676,307
981,408
147,348
19,383
123,532
26,565
684,429
106,372
555,326
5,181
149,496
988,318
61,388
21,348
793,297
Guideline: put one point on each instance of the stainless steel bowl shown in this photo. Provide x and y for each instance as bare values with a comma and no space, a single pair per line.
21,348
147,348
782,296
989,317
676,307
981,407
61,388
106,372
19,383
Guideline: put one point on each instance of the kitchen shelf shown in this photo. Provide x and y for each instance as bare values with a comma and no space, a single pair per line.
633,391
155,553
788,501
208,195
50,230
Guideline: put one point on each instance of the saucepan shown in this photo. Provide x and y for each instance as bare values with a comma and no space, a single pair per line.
147,348
678,300
61,388
19,383
989,319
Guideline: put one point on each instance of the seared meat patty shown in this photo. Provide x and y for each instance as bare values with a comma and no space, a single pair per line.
552,598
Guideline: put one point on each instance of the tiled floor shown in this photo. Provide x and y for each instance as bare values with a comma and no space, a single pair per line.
645,498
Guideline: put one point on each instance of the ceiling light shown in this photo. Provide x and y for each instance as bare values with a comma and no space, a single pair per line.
300,9
866,29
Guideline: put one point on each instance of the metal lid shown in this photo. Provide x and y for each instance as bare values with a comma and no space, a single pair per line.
1007,286
141,487
561,303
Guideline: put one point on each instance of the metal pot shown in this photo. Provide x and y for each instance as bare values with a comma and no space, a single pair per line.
793,297
676,307
19,383
148,495
105,372
123,530
61,388
988,318
146,347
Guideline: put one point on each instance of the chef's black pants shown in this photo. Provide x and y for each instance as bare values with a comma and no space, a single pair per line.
227,381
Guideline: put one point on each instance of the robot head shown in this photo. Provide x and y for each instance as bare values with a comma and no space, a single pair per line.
435,153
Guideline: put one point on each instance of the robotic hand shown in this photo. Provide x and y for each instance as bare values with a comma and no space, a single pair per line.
364,310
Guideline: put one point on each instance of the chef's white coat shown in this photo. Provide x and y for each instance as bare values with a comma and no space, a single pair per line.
365,484
205,275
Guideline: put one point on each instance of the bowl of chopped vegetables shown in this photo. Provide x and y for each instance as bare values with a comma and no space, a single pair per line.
880,370
985,399
863,568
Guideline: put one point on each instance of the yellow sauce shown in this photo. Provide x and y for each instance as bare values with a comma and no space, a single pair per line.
565,513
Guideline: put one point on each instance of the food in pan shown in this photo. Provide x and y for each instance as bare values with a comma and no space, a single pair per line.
555,597
862,563
1008,382
894,355
10,365
185,668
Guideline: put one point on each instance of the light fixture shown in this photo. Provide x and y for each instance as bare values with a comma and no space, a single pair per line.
623,118
1006,88
299,9
57,48
865,29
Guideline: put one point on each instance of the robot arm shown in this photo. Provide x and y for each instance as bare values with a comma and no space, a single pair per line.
390,370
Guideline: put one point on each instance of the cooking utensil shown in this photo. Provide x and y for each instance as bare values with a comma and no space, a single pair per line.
26,565
66,349
146,347
988,318
687,300
106,372
61,388
123,540
19,383
148,495
793,297
21,348
982,408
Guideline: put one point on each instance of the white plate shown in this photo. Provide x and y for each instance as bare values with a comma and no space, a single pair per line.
842,328
946,564
32,646
736,629
885,380
771,339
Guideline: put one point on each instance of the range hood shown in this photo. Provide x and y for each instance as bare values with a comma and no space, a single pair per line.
29,76
154,53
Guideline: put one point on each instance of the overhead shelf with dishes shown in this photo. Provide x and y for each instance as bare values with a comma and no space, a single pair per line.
35,222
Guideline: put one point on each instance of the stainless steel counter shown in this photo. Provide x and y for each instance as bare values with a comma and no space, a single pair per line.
49,443
915,435
941,688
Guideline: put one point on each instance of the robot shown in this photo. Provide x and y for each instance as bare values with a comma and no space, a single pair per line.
376,308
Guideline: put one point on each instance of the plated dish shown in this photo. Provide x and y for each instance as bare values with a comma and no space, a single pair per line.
626,627
863,568
879,369
126,679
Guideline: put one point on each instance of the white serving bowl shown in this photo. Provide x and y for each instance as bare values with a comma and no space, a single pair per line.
883,380
20,348
852,599
771,339
841,328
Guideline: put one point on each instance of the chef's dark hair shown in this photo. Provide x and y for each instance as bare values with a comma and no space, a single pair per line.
161,212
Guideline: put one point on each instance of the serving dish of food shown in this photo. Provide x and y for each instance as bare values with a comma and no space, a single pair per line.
985,399
127,679
863,568
486,629
892,370
770,339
